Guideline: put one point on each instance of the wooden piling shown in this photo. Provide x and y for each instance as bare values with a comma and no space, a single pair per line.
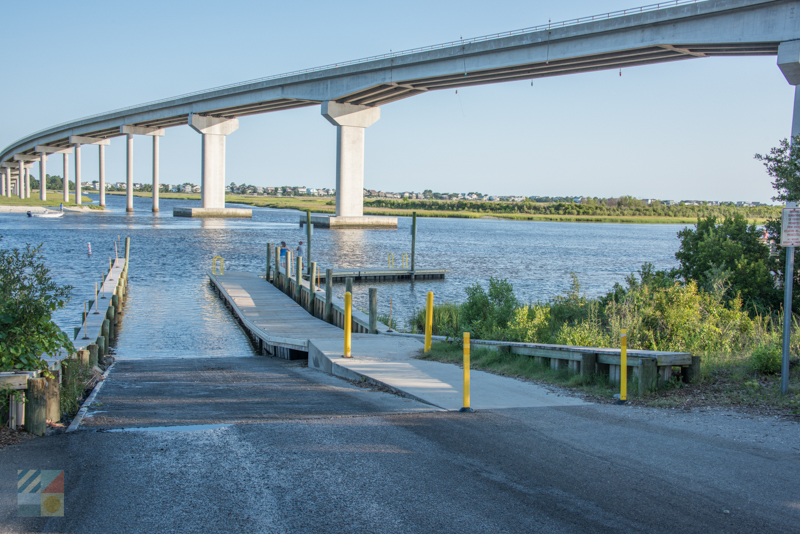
269,257
298,278
348,285
312,287
588,364
373,310
105,331
694,372
83,358
308,240
328,316
413,241
102,347
288,278
93,352
127,251
648,375
277,276
36,410
53,395
115,305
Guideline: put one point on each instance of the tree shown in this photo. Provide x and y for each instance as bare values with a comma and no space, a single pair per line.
729,258
783,164
28,297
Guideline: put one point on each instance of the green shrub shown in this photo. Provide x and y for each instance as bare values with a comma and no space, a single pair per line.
766,359
445,320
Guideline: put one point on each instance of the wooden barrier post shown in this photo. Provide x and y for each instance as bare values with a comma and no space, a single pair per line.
36,411
53,394
276,278
308,240
298,280
348,285
102,347
373,310
328,316
648,375
348,312
623,367
466,407
288,278
127,252
413,241
428,321
93,350
312,288
269,257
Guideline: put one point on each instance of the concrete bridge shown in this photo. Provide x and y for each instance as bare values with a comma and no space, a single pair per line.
350,94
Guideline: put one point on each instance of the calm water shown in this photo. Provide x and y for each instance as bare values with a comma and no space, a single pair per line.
172,312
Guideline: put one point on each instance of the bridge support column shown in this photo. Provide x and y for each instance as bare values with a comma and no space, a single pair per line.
129,175
65,197
351,122
21,180
42,176
155,133
78,186
101,162
3,184
212,168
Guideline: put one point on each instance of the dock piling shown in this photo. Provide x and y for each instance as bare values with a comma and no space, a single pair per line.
312,287
53,396
36,412
328,317
413,241
348,285
269,257
298,278
373,310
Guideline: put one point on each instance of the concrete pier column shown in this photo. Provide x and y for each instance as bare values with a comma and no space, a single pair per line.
101,161
27,182
65,198
78,188
129,175
42,176
214,130
350,121
3,184
131,130
156,185
21,180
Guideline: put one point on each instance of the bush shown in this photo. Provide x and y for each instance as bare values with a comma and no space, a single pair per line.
487,314
445,320
766,359
28,297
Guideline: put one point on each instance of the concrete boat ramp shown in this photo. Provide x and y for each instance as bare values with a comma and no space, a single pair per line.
281,327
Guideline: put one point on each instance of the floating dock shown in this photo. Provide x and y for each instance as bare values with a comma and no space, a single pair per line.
340,275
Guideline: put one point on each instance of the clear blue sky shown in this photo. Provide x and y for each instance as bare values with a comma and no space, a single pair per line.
683,130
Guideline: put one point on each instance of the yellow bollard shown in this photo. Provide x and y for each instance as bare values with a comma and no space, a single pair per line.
623,370
466,407
428,321
348,315
391,260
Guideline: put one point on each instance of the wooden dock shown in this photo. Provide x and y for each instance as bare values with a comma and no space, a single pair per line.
274,321
340,275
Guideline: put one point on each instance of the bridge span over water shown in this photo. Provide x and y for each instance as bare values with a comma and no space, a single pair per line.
350,94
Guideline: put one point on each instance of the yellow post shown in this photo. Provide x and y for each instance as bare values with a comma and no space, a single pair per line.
391,260
466,407
623,370
428,321
348,315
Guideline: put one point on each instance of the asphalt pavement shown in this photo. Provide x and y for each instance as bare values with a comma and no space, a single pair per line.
265,445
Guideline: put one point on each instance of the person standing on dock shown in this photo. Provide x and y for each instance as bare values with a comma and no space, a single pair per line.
284,248
301,251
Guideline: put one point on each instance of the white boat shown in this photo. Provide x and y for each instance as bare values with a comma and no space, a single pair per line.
48,214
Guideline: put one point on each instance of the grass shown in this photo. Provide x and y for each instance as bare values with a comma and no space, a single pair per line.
326,205
73,388
54,200
726,382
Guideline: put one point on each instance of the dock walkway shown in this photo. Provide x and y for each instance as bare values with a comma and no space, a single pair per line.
283,328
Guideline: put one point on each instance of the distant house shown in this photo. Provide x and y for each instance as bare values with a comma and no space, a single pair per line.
186,188
121,185
95,185
302,191
197,189
313,192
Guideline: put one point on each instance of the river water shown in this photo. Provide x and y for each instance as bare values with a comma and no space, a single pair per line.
171,311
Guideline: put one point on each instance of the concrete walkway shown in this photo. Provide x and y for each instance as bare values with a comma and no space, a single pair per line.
391,361
381,359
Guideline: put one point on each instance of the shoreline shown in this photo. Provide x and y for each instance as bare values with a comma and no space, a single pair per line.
42,209
324,206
